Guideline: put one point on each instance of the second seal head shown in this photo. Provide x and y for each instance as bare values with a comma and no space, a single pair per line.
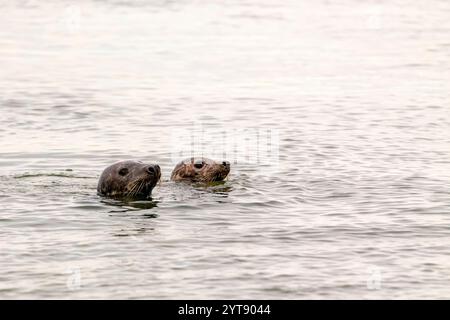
200,170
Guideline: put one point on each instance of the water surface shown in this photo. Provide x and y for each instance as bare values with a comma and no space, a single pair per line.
356,205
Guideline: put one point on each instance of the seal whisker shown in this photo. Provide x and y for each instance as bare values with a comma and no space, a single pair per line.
133,185
140,187
135,189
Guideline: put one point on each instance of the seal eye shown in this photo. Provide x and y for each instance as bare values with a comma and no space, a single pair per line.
123,171
199,165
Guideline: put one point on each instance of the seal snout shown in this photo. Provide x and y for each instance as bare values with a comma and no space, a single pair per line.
154,170
226,169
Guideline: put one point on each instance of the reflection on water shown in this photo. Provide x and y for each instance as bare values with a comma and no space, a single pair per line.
125,206
355,205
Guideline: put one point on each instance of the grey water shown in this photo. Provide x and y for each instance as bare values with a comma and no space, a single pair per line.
354,204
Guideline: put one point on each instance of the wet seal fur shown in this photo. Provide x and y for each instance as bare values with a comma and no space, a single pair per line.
129,179
200,170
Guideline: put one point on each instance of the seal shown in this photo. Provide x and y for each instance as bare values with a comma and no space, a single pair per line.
200,170
129,179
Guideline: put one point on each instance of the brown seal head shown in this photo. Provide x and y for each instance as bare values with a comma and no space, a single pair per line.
200,170
129,179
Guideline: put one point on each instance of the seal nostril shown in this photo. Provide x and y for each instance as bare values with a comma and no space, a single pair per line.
151,169
226,163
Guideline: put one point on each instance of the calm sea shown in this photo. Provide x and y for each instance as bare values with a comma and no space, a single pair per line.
351,199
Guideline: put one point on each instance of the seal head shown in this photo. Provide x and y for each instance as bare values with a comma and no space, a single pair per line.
129,179
200,170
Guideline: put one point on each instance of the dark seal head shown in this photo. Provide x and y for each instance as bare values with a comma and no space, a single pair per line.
129,179
200,170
